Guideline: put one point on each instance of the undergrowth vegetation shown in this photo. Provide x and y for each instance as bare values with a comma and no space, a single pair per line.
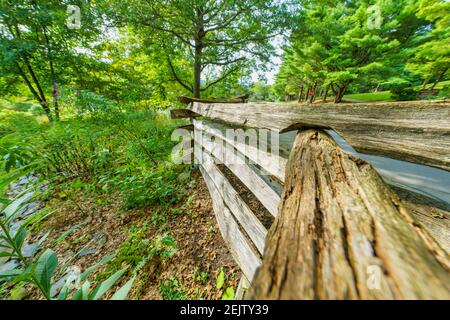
97,148
128,152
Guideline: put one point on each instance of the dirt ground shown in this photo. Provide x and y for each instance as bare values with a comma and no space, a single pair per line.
200,247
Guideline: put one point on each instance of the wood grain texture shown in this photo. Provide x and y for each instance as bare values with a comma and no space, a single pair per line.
274,163
240,248
341,233
412,131
240,210
182,113
242,289
250,176
434,220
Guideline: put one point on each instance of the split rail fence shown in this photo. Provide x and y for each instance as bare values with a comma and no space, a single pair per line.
306,220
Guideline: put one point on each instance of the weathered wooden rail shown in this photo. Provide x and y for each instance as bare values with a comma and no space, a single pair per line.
313,222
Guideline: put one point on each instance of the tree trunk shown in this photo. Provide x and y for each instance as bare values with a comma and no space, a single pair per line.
36,95
307,94
313,91
439,79
377,88
47,110
199,45
341,233
424,85
197,71
340,94
300,95
52,72
325,95
55,100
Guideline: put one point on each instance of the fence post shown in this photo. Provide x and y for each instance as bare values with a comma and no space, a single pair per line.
341,233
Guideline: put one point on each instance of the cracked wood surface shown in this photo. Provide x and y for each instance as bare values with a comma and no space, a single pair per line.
418,132
341,233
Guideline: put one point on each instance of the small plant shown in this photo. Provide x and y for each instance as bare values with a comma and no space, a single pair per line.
138,250
171,290
157,187
40,271
228,294
201,277
17,156
158,219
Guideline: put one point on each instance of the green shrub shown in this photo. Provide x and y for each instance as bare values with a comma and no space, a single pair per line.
403,92
171,290
444,93
84,103
160,186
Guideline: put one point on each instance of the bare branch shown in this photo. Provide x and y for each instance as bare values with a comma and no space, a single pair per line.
225,75
177,78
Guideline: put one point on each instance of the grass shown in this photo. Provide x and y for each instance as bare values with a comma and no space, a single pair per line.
370,96
442,84
384,95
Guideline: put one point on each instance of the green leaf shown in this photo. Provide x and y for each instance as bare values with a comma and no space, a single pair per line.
220,279
101,289
10,274
4,201
6,179
36,218
44,269
122,293
228,294
68,232
14,206
35,246
7,254
83,292
63,293
42,240
91,269
20,237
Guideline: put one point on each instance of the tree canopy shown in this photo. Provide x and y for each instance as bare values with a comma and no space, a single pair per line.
149,52
38,45
205,42
356,43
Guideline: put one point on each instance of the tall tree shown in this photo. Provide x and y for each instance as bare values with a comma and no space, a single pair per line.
348,42
432,57
216,38
37,45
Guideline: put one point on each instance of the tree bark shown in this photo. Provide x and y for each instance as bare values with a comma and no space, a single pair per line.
314,87
52,73
42,102
197,71
300,95
325,95
39,94
55,100
340,94
199,45
307,94
341,233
